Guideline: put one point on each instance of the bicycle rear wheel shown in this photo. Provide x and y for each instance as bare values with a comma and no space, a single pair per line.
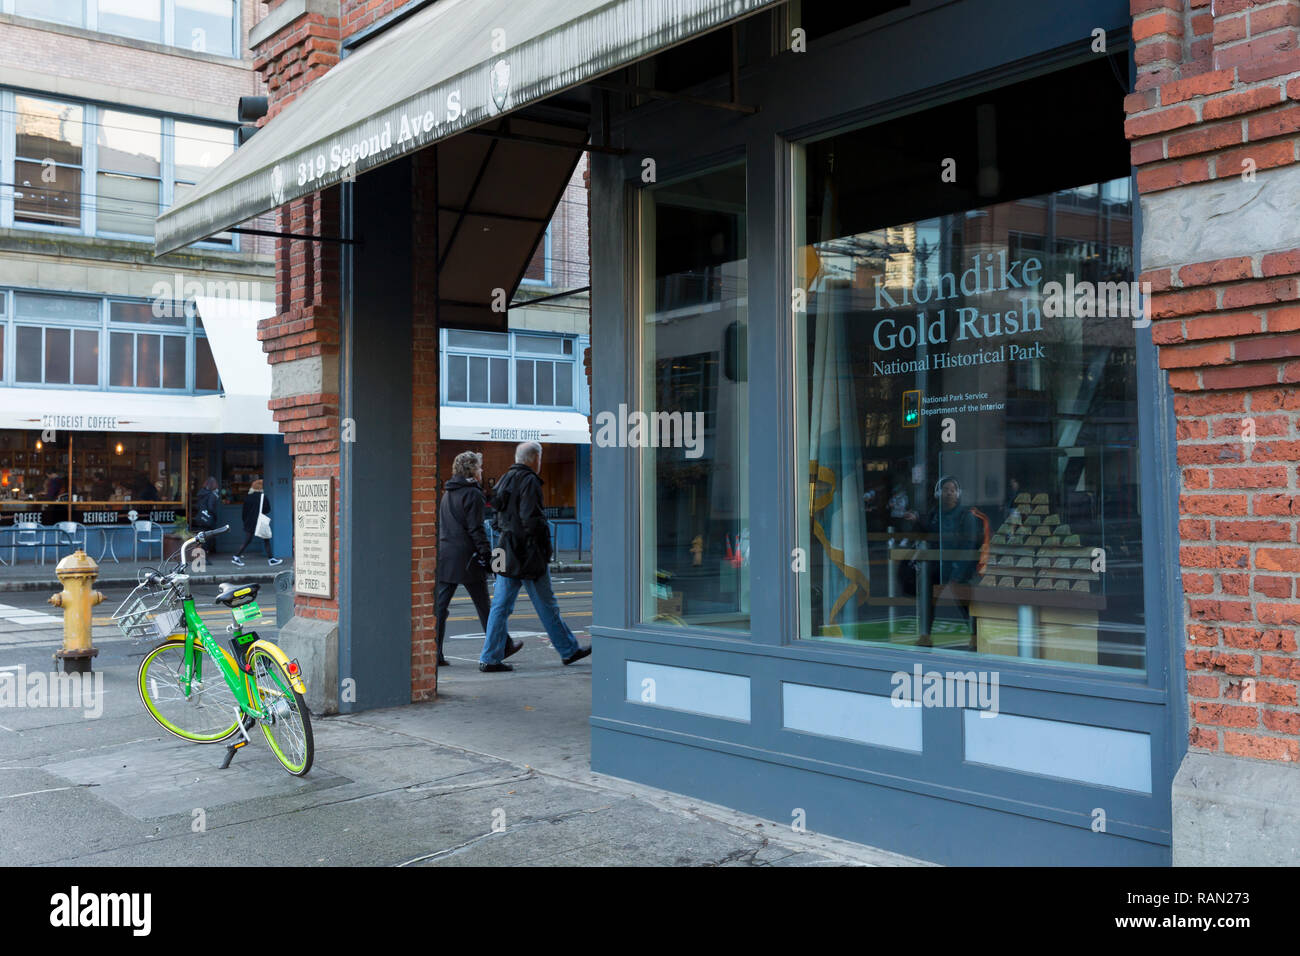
204,714
288,728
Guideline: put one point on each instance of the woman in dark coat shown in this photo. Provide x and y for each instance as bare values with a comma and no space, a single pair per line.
206,513
464,555
254,505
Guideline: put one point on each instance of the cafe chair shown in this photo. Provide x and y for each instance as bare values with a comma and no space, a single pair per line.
27,534
147,533
72,535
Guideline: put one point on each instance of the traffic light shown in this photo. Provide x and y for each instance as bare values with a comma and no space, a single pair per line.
912,408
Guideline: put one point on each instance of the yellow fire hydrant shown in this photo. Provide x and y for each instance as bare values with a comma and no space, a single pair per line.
77,572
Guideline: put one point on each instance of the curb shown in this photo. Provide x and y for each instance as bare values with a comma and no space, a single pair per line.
53,584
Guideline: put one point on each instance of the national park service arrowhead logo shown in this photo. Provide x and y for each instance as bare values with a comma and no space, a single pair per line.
277,186
499,84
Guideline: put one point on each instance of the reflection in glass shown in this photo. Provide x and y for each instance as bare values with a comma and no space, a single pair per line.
86,357
205,368
971,454
58,356
146,361
47,169
694,453
139,19
27,365
206,26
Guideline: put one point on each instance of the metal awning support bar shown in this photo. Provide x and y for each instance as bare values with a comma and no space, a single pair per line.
547,298
294,235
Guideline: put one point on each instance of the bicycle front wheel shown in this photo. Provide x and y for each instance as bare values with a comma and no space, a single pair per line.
288,724
205,713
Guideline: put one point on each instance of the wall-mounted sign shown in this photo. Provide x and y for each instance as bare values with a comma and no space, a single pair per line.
313,536
66,422
515,434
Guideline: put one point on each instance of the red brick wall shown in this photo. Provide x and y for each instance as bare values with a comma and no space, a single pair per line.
359,14
424,428
1216,87
307,294
295,56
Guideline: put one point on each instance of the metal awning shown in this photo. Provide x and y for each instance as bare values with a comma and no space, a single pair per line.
471,423
426,79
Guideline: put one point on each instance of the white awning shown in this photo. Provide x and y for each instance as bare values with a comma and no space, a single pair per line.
433,76
95,411
512,425
231,325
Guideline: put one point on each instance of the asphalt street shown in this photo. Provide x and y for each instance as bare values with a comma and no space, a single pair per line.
493,772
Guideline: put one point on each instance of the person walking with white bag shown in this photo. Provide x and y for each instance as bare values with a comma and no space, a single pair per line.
257,523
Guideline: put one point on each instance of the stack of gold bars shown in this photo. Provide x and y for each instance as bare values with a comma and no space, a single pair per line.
1034,549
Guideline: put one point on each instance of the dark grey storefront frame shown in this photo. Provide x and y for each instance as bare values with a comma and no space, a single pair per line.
934,804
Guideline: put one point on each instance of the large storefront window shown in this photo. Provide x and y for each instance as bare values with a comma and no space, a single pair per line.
94,478
694,438
969,417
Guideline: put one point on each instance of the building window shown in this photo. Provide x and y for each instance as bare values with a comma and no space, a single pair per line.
137,19
65,340
476,377
198,150
91,477
71,12
62,354
48,160
968,447
142,360
127,167
205,26
205,367
129,179
538,271
694,467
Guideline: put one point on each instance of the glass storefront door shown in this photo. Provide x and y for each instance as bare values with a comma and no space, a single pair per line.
692,429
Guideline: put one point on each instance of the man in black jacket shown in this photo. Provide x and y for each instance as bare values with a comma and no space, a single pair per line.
523,560
463,552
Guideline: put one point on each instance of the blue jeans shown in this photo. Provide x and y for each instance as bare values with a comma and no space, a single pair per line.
544,602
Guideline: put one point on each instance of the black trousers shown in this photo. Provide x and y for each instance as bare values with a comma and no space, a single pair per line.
478,593
249,538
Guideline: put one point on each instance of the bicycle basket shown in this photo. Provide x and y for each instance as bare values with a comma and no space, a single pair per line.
149,614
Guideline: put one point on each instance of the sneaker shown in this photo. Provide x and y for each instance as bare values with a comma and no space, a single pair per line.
495,668
577,655
274,561
237,560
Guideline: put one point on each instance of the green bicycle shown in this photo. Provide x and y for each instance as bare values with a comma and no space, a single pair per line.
202,692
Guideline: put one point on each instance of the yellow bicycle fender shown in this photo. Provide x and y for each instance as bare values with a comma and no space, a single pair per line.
282,659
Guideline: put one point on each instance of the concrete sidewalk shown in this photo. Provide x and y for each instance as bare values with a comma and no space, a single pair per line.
495,772
37,577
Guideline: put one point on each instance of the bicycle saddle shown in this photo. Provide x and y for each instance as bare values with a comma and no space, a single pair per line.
236,595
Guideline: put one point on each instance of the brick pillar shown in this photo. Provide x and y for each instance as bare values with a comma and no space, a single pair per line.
297,53
1216,140
301,340
424,426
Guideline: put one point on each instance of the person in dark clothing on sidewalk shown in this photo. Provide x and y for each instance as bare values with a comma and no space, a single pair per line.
254,506
464,555
524,548
206,513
